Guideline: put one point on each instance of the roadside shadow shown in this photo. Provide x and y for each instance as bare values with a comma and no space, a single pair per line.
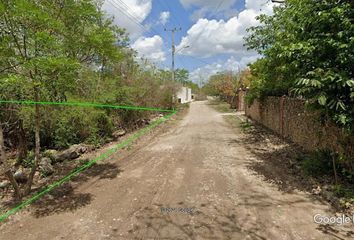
214,222
66,198
329,230
100,170
61,199
277,159
280,167
206,221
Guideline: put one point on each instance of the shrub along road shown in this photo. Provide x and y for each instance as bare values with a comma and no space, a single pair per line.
191,181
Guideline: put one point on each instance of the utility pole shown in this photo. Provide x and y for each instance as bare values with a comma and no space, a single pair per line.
173,30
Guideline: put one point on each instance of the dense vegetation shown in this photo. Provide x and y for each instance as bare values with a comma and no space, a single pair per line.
308,51
227,84
69,50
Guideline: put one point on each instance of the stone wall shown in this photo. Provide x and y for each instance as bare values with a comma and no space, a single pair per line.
289,118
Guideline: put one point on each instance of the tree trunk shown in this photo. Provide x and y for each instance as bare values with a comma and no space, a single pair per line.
334,168
37,145
22,143
14,184
8,172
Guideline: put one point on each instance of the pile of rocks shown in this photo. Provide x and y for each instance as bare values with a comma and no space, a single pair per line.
50,158
53,156
119,133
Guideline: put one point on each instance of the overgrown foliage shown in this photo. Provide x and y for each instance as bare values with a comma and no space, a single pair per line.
69,50
308,51
226,85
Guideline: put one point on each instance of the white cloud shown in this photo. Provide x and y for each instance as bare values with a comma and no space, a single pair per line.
129,14
202,74
206,3
210,37
207,6
164,17
150,48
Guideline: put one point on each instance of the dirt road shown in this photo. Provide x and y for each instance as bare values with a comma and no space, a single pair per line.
191,182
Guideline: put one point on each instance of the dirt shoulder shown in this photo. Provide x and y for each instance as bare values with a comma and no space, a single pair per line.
103,169
283,164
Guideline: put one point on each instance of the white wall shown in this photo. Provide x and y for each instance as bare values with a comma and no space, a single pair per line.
185,94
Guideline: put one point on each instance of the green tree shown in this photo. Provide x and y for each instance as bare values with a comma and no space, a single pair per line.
227,84
44,44
308,51
69,50
181,75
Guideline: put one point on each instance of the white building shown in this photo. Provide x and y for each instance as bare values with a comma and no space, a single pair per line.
184,95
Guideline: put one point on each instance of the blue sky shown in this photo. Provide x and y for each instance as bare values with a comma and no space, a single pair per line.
213,30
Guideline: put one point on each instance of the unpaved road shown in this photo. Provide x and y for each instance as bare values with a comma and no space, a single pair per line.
198,165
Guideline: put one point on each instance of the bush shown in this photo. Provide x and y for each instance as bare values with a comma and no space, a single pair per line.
82,125
307,48
64,134
29,160
343,192
318,163
103,123
65,126
125,97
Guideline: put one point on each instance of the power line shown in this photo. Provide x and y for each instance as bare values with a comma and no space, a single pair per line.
130,11
175,20
126,10
173,31
127,13
166,4
133,18
217,8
